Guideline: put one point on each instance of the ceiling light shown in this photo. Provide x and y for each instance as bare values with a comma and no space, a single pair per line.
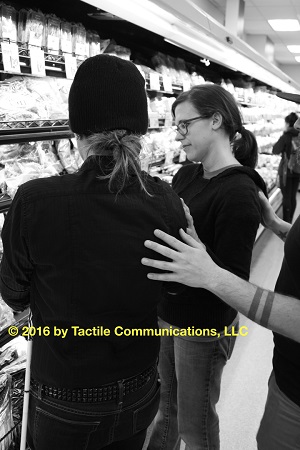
285,25
297,58
294,48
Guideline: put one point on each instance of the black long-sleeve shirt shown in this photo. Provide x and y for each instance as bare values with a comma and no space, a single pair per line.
226,213
73,251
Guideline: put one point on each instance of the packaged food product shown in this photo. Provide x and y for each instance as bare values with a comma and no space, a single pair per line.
52,34
79,40
6,418
68,155
22,20
8,22
6,316
35,28
94,43
16,101
66,37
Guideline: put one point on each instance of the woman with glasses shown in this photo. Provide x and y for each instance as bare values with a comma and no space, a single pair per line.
222,196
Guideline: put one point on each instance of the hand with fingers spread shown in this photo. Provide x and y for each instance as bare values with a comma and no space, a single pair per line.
190,265
191,231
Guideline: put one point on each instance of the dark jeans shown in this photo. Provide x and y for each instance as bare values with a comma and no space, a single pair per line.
289,193
60,425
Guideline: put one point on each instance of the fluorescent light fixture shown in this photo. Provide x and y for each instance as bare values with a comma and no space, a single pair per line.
294,48
285,25
297,58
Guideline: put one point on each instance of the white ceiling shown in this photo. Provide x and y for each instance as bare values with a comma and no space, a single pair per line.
257,14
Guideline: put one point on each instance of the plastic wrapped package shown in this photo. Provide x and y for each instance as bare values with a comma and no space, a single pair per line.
40,162
6,418
94,43
16,101
52,34
22,20
68,155
46,95
79,40
13,356
66,37
159,61
8,22
35,28
9,151
6,316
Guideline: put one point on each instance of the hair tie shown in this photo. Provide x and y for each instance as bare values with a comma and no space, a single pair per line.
242,129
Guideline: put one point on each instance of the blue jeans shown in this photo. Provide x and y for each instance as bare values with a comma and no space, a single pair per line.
61,425
280,426
190,373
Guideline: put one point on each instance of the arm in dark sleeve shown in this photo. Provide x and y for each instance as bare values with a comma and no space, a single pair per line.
237,221
279,146
16,267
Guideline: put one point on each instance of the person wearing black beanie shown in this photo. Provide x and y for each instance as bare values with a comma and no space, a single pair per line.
72,251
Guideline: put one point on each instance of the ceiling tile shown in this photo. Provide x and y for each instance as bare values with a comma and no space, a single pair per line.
271,3
277,12
252,13
257,27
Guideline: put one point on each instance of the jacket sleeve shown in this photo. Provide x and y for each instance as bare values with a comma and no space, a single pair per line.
16,267
280,146
237,221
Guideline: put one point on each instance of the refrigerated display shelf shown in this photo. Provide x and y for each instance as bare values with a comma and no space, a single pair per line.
53,63
23,126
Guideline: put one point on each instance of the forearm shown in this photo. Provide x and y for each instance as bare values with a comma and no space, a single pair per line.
276,312
280,228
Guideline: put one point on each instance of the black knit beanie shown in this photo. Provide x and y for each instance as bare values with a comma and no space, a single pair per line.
108,93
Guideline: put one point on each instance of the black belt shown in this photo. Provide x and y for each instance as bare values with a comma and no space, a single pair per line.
101,394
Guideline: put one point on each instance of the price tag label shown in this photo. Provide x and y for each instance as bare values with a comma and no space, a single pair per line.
153,119
71,66
167,83
168,120
154,81
186,85
169,157
36,37
66,46
53,44
10,57
80,49
37,62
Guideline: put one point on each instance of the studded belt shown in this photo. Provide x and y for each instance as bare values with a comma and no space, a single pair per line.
102,393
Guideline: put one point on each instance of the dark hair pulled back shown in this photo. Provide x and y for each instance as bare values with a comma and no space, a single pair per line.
209,99
291,119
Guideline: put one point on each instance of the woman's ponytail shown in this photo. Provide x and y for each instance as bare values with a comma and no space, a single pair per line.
124,150
245,148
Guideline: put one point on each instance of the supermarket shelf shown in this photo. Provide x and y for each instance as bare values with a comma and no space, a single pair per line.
34,130
38,136
28,125
54,64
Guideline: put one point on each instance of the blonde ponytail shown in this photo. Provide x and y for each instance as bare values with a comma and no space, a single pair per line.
124,149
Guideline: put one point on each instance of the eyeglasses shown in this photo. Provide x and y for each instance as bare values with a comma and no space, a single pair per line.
182,127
